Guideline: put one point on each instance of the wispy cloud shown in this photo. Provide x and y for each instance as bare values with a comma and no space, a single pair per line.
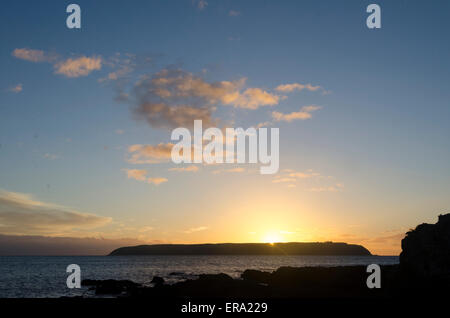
303,175
31,55
141,175
16,89
288,88
157,181
304,113
70,67
264,124
196,229
291,176
185,169
140,154
136,174
123,64
21,214
230,170
311,180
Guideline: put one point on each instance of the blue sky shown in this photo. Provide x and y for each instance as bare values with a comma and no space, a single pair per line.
379,141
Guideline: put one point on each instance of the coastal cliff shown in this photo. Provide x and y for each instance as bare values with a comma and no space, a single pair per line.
326,248
426,250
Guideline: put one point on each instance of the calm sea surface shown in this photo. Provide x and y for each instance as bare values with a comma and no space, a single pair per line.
45,276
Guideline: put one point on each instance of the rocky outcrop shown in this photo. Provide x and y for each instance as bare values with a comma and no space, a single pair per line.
426,250
157,281
110,286
256,276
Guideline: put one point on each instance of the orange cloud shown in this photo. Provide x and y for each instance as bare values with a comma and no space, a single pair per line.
186,169
150,154
16,89
302,175
312,181
71,67
156,181
141,175
136,174
253,98
304,113
287,88
231,170
31,55
175,98
81,66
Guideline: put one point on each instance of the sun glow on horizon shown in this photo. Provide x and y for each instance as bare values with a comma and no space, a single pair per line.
272,237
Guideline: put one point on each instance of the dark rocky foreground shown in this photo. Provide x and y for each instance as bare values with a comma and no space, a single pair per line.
286,282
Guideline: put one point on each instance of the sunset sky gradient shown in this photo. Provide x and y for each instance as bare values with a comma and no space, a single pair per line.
86,116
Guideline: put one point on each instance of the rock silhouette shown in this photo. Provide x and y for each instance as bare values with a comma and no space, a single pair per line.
426,250
110,286
157,281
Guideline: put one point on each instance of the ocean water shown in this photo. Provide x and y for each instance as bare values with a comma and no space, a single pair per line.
45,276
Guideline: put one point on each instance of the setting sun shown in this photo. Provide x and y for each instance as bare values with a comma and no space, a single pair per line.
272,238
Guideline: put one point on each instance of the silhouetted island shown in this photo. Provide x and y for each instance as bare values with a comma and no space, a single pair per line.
326,248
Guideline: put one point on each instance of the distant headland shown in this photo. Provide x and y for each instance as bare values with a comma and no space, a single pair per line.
294,248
